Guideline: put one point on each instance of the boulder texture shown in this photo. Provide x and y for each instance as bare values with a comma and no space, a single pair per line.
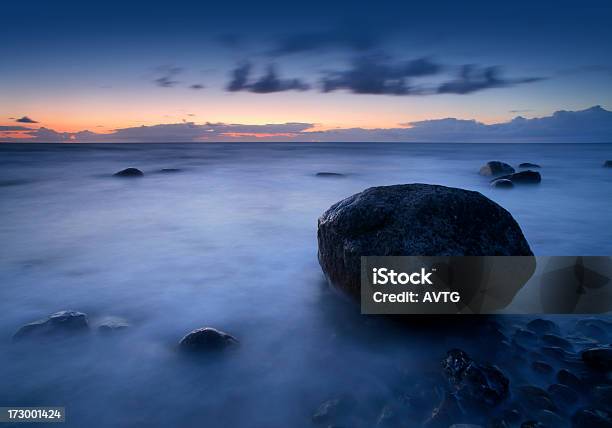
493,168
412,220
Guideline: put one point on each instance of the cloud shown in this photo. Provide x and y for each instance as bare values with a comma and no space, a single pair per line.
167,76
11,128
356,39
590,125
473,78
25,119
268,83
378,74
240,77
196,86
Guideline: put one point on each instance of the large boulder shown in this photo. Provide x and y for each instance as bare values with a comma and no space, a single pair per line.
59,323
412,220
493,168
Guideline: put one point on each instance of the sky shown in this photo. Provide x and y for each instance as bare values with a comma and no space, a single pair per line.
305,71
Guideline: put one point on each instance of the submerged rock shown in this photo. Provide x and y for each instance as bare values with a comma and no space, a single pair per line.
541,367
567,378
535,398
472,382
563,394
207,339
529,165
129,172
591,418
542,326
412,219
63,322
558,341
523,177
598,358
502,184
493,168
169,170
329,174
607,164
112,324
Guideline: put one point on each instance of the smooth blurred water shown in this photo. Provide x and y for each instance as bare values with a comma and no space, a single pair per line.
230,242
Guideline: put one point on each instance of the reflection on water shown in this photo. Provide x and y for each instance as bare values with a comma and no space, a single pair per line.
230,242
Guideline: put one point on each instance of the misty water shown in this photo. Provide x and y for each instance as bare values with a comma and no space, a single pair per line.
230,242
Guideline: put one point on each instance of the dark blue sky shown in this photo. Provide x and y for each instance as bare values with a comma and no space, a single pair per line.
102,65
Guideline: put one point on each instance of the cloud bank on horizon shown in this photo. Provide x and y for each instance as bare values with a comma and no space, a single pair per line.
592,125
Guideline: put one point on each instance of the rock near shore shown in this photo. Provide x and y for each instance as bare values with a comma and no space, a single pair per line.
412,220
59,323
494,168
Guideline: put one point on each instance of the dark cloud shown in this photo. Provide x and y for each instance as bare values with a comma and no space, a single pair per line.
10,128
473,78
25,119
196,86
268,83
351,38
167,76
240,77
378,74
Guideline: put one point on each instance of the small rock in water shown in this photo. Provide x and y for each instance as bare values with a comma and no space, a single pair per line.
475,383
529,165
329,174
523,177
607,164
565,377
592,418
112,324
207,339
129,172
551,419
541,367
493,168
554,340
532,424
536,398
593,328
598,358
169,170
63,322
502,184
542,326
563,394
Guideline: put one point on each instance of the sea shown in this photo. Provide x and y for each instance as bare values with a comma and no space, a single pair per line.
229,241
